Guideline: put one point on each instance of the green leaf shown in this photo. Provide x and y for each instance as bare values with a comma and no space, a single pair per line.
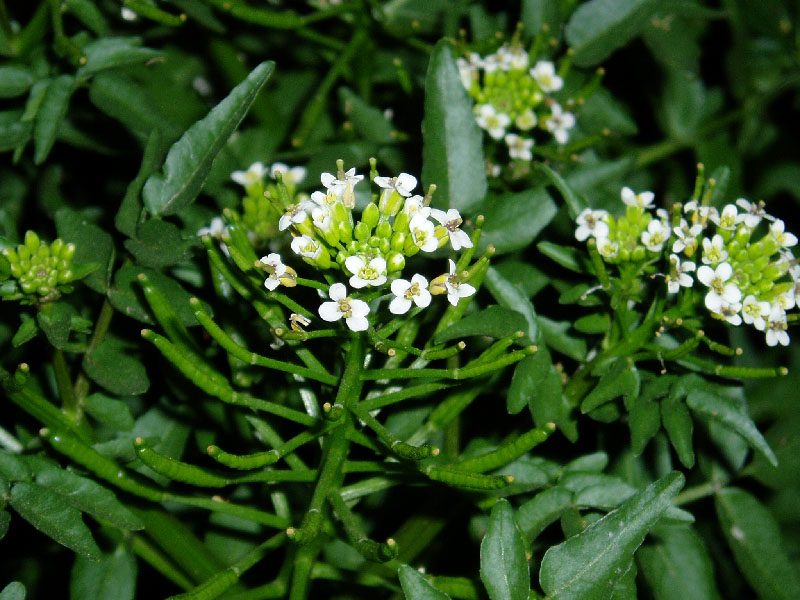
599,27
504,566
621,380
111,367
189,159
55,320
528,278
113,577
160,244
593,324
568,257
89,497
13,132
677,566
5,521
12,468
783,437
535,14
109,411
755,539
625,587
513,220
452,142
113,52
51,113
679,427
644,421
602,111
416,587
511,296
543,509
13,591
493,321
368,121
722,410
684,104
588,565
26,332
556,337
130,209
92,245
14,81
48,513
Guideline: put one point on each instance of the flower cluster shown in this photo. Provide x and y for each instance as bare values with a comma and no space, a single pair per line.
513,96
745,277
259,215
372,251
41,272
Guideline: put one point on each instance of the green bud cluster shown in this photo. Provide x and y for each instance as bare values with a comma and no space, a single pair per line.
41,272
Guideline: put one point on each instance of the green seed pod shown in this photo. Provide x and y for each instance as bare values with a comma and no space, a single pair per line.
371,215
362,231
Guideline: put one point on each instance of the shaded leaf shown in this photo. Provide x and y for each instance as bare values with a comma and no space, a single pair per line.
48,513
109,411
493,321
568,257
113,577
677,566
130,209
111,367
722,410
621,380
504,566
14,81
189,159
12,468
368,121
13,591
513,220
26,332
92,245
599,27
588,565
89,497
755,539
679,427
556,337
5,521
510,296
50,114
112,52
416,587
644,421
452,142
55,320
160,244
543,509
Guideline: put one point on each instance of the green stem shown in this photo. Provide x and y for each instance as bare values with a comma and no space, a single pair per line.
61,40
697,492
69,403
100,330
5,23
369,549
153,557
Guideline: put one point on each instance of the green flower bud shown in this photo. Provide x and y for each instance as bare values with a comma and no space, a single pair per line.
371,215
362,231
55,247
398,240
384,230
373,241
772,272
742,236
409,247
401,223
68,251
765,285
391,202
345,231
761,263
24,255
639,253
11,256
383,245
395,262
32,241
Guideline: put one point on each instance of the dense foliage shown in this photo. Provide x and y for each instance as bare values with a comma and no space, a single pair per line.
409,299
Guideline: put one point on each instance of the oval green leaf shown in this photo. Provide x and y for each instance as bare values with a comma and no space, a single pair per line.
504,567
416,587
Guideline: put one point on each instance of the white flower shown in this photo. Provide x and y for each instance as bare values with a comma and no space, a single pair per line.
679,274
254,173
713,250
366,273
705,212
657,233
216,229
276,269
492,121
354,311
468,69
753,213
322,218
295,213
730,312
607,248
754,312
403,183
127,14
452,221
776,327
343,188
722,293
785,239
519,147
559,123
526,120
415,205
306,246
642,199
423,233
590,222
544,72
786,300
687,237
455,289
728,219
406,292
293,175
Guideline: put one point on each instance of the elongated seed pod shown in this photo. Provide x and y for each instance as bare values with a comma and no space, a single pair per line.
508,452
467,480
175,469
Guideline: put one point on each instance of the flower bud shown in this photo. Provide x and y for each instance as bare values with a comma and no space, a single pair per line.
398,240
345,231
32,241
395,262
371,215
384,230
391,202
362,231
401,223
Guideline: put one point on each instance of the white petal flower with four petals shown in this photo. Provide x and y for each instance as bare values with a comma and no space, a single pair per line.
544,72
493,122
451,220
590,222
403,183
408,292
254,173
642,199
352,310
722,292
372,273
